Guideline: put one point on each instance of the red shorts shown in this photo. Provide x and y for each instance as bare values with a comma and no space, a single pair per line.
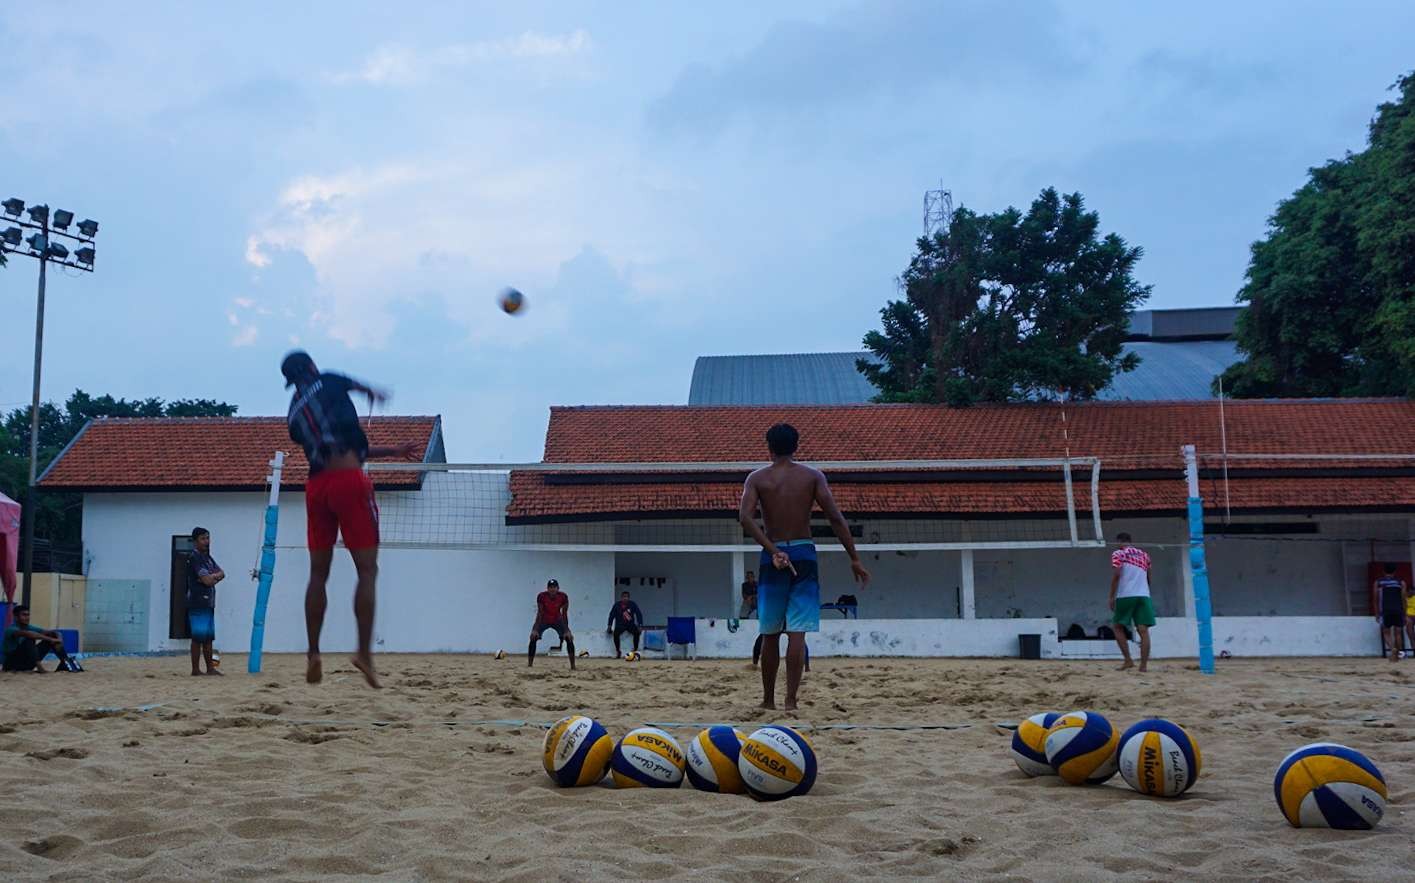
341,502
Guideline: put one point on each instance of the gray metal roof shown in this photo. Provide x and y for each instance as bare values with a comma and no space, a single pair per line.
1169,371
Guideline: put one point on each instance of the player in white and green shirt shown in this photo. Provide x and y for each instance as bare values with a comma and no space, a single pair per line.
1130,598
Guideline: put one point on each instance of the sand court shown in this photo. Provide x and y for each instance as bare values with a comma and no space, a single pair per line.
136,770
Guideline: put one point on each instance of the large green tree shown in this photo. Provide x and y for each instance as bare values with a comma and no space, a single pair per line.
1008,306
1330,290
57,515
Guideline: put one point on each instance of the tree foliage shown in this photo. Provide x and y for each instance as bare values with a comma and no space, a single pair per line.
1009,306
57,515
1330,290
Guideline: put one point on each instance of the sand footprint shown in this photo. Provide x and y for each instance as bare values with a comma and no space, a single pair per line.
56,847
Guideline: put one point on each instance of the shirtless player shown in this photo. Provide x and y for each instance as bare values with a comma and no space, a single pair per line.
788,594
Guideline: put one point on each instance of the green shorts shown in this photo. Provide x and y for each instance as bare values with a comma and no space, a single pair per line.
1134,611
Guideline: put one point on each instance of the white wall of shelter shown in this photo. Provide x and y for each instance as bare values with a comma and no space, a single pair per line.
1272,594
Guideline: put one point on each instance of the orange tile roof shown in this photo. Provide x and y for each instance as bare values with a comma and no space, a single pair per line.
211,453
1138,443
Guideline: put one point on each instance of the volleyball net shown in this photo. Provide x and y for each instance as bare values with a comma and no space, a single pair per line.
889,505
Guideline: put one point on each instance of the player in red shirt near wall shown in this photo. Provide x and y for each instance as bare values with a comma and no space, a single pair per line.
552,612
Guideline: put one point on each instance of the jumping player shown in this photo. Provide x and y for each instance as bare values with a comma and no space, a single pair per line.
552,612
788,595
339,497
1390,597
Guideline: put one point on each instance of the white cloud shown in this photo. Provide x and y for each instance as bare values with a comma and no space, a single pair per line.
395,65
254,256
244,303
245,336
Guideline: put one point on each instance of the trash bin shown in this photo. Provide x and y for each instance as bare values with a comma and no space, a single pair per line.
71,640
1031,646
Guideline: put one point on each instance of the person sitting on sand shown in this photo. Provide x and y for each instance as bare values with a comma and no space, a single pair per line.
1130,598
26,645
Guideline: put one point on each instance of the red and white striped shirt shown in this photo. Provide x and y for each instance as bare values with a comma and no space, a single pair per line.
1134,567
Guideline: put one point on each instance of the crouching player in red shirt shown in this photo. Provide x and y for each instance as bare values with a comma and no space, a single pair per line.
552,612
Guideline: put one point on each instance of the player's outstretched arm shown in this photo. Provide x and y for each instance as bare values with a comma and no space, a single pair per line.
826,501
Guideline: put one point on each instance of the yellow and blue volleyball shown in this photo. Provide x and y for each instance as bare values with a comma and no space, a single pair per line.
647,758
776,763
576,751
1325,785
1029,744
1158,758
1080,746
712,760
512,301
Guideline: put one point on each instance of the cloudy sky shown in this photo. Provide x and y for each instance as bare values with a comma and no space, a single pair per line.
661,180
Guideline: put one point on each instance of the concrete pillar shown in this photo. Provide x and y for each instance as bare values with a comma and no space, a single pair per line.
969,605
739,576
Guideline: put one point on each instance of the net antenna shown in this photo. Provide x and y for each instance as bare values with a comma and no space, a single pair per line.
892,505
938,211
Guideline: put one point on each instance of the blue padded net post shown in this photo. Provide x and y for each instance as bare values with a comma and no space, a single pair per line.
267,564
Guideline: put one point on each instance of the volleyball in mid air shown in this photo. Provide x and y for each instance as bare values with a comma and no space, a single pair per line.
512,301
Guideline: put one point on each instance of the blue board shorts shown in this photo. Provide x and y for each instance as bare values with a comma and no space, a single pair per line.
787,602
202,621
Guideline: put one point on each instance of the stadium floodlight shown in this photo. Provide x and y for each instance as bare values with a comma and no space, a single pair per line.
43,249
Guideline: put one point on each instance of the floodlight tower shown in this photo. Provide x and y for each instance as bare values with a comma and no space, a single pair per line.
42,247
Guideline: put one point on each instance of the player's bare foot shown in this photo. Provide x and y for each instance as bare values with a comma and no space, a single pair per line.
1144,667
213,671
1127,664
196,672
314,669
365,665
790,705
768,705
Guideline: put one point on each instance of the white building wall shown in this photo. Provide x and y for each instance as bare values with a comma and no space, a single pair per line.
429,599
465,600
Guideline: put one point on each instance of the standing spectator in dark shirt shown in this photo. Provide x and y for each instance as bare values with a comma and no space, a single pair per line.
339,497
202,577
1390,595
625,616
553,613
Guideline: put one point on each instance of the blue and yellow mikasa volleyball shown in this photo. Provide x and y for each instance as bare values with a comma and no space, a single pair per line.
576,751
647,758
712,760
1158,758
1325,785
777,762
1080,746
1029,744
